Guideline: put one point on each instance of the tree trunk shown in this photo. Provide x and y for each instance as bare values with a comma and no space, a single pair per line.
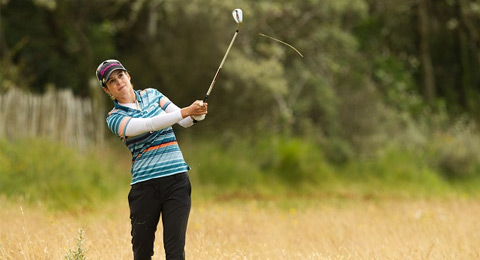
427,71
469,25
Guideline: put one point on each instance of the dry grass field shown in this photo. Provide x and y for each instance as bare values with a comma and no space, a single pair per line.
344,229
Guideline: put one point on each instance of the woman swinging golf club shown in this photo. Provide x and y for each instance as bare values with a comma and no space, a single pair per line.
160,183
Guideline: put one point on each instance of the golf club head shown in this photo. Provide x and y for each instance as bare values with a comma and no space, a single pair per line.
238,16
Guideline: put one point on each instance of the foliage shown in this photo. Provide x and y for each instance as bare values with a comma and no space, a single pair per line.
61,177
391,32
293,161
455,151
163,41
79,253
283,165
397,172
379,79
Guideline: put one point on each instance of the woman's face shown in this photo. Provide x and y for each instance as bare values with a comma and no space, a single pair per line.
119,86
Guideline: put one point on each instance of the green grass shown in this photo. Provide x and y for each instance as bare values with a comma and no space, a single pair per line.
276,168
64,178
293,167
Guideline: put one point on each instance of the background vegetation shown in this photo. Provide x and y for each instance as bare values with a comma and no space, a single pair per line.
384,100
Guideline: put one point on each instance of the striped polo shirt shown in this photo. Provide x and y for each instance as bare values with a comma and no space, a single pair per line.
154,154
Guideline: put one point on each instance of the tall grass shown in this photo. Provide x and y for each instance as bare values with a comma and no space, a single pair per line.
62,177
353,229
288,166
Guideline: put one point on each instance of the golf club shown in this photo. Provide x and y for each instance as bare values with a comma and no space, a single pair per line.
238,16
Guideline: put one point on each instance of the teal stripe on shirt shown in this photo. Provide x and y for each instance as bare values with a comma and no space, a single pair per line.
151,164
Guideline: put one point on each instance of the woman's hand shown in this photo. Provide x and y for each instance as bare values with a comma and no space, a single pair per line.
197,108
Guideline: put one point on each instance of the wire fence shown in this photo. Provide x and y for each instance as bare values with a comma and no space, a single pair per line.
57,115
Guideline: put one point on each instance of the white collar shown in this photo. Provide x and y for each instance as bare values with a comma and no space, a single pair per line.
129,105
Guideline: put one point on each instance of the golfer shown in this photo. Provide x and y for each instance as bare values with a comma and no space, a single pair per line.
160,184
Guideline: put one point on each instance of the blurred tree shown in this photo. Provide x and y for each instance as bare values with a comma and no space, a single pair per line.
60,40
361,57
441,54
176,46
469,20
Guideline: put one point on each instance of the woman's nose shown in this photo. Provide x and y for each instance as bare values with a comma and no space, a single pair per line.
116,82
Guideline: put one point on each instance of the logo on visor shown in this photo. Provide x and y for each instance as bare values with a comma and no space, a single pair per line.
109,66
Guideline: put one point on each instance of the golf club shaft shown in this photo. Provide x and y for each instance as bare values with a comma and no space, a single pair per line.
205,99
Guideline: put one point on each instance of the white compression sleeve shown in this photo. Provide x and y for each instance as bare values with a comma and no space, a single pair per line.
138,126
186,122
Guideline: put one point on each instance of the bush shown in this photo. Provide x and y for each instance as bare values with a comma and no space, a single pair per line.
80,251
293,161
62,177
456,151
272,159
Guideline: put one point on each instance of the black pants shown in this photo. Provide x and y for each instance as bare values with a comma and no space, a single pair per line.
169,196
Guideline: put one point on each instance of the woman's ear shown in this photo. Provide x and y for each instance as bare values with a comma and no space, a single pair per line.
108,93
105,89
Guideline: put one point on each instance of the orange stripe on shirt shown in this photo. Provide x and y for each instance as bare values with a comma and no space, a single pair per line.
158,147
111,112
123,124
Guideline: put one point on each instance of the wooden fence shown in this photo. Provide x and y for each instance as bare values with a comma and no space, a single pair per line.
57,115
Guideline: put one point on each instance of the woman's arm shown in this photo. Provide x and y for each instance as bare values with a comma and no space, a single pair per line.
186,122
138,126
173,115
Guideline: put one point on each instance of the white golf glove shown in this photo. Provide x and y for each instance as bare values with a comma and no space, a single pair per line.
202,117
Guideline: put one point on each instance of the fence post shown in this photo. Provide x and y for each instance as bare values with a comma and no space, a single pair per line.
98,110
